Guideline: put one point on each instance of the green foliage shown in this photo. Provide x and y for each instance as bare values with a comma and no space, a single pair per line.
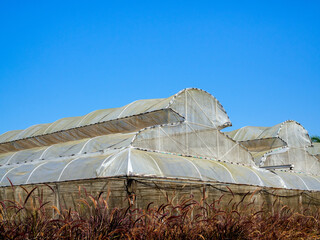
31,218
315,139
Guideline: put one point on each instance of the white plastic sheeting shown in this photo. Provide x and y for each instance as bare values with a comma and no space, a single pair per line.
314,150
177,137
300,158
283,144
291,132
194,104
134,162
121,125
195,140
73,148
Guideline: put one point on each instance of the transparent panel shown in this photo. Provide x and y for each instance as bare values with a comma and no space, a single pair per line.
20,174
48,171
25,156
247,133
289,131
114,165
5,157
212,170
95,117
108,141
314,149
4,171
175,166
294,134
161,103
292,180
200,107
263,144
63,124
139,106
64,149
274,159
33,131
301,159
143,163
269,179
9,136
243,175
311,182
192,139
85,168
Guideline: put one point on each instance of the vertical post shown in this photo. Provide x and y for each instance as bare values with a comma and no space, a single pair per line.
300,203
56,198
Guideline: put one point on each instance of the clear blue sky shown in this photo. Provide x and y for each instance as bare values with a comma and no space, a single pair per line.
67,58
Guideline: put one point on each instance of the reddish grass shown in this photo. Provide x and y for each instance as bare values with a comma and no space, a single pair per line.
31,218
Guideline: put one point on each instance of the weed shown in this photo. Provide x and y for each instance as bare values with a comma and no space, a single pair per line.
31,218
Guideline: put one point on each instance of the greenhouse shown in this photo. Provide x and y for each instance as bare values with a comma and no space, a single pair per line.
172,138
